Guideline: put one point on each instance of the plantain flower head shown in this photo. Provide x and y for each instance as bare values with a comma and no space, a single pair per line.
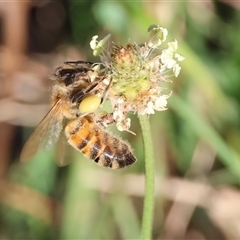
137,72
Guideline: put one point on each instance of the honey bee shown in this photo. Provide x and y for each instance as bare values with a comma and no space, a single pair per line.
75,99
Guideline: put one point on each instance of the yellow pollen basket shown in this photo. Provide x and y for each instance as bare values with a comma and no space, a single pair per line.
89,104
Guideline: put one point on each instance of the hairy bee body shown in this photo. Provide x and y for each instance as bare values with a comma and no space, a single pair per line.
75,96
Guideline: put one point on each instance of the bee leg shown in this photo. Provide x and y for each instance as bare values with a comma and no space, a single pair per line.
105,119
104,95
79,95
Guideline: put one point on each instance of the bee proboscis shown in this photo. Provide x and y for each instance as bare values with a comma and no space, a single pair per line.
75,99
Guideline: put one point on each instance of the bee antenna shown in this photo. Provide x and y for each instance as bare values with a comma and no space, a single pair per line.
78,62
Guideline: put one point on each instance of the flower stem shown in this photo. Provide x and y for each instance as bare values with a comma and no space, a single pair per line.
148,205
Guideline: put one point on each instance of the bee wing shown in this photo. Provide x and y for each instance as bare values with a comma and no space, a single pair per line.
63,150
46,133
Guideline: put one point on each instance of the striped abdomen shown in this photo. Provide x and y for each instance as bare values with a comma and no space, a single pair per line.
97,144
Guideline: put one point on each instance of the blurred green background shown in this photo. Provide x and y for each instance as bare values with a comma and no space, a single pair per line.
196,141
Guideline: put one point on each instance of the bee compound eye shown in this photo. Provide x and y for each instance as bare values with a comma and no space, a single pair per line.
89,104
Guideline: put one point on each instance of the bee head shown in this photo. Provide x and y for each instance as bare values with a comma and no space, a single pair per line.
69,75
